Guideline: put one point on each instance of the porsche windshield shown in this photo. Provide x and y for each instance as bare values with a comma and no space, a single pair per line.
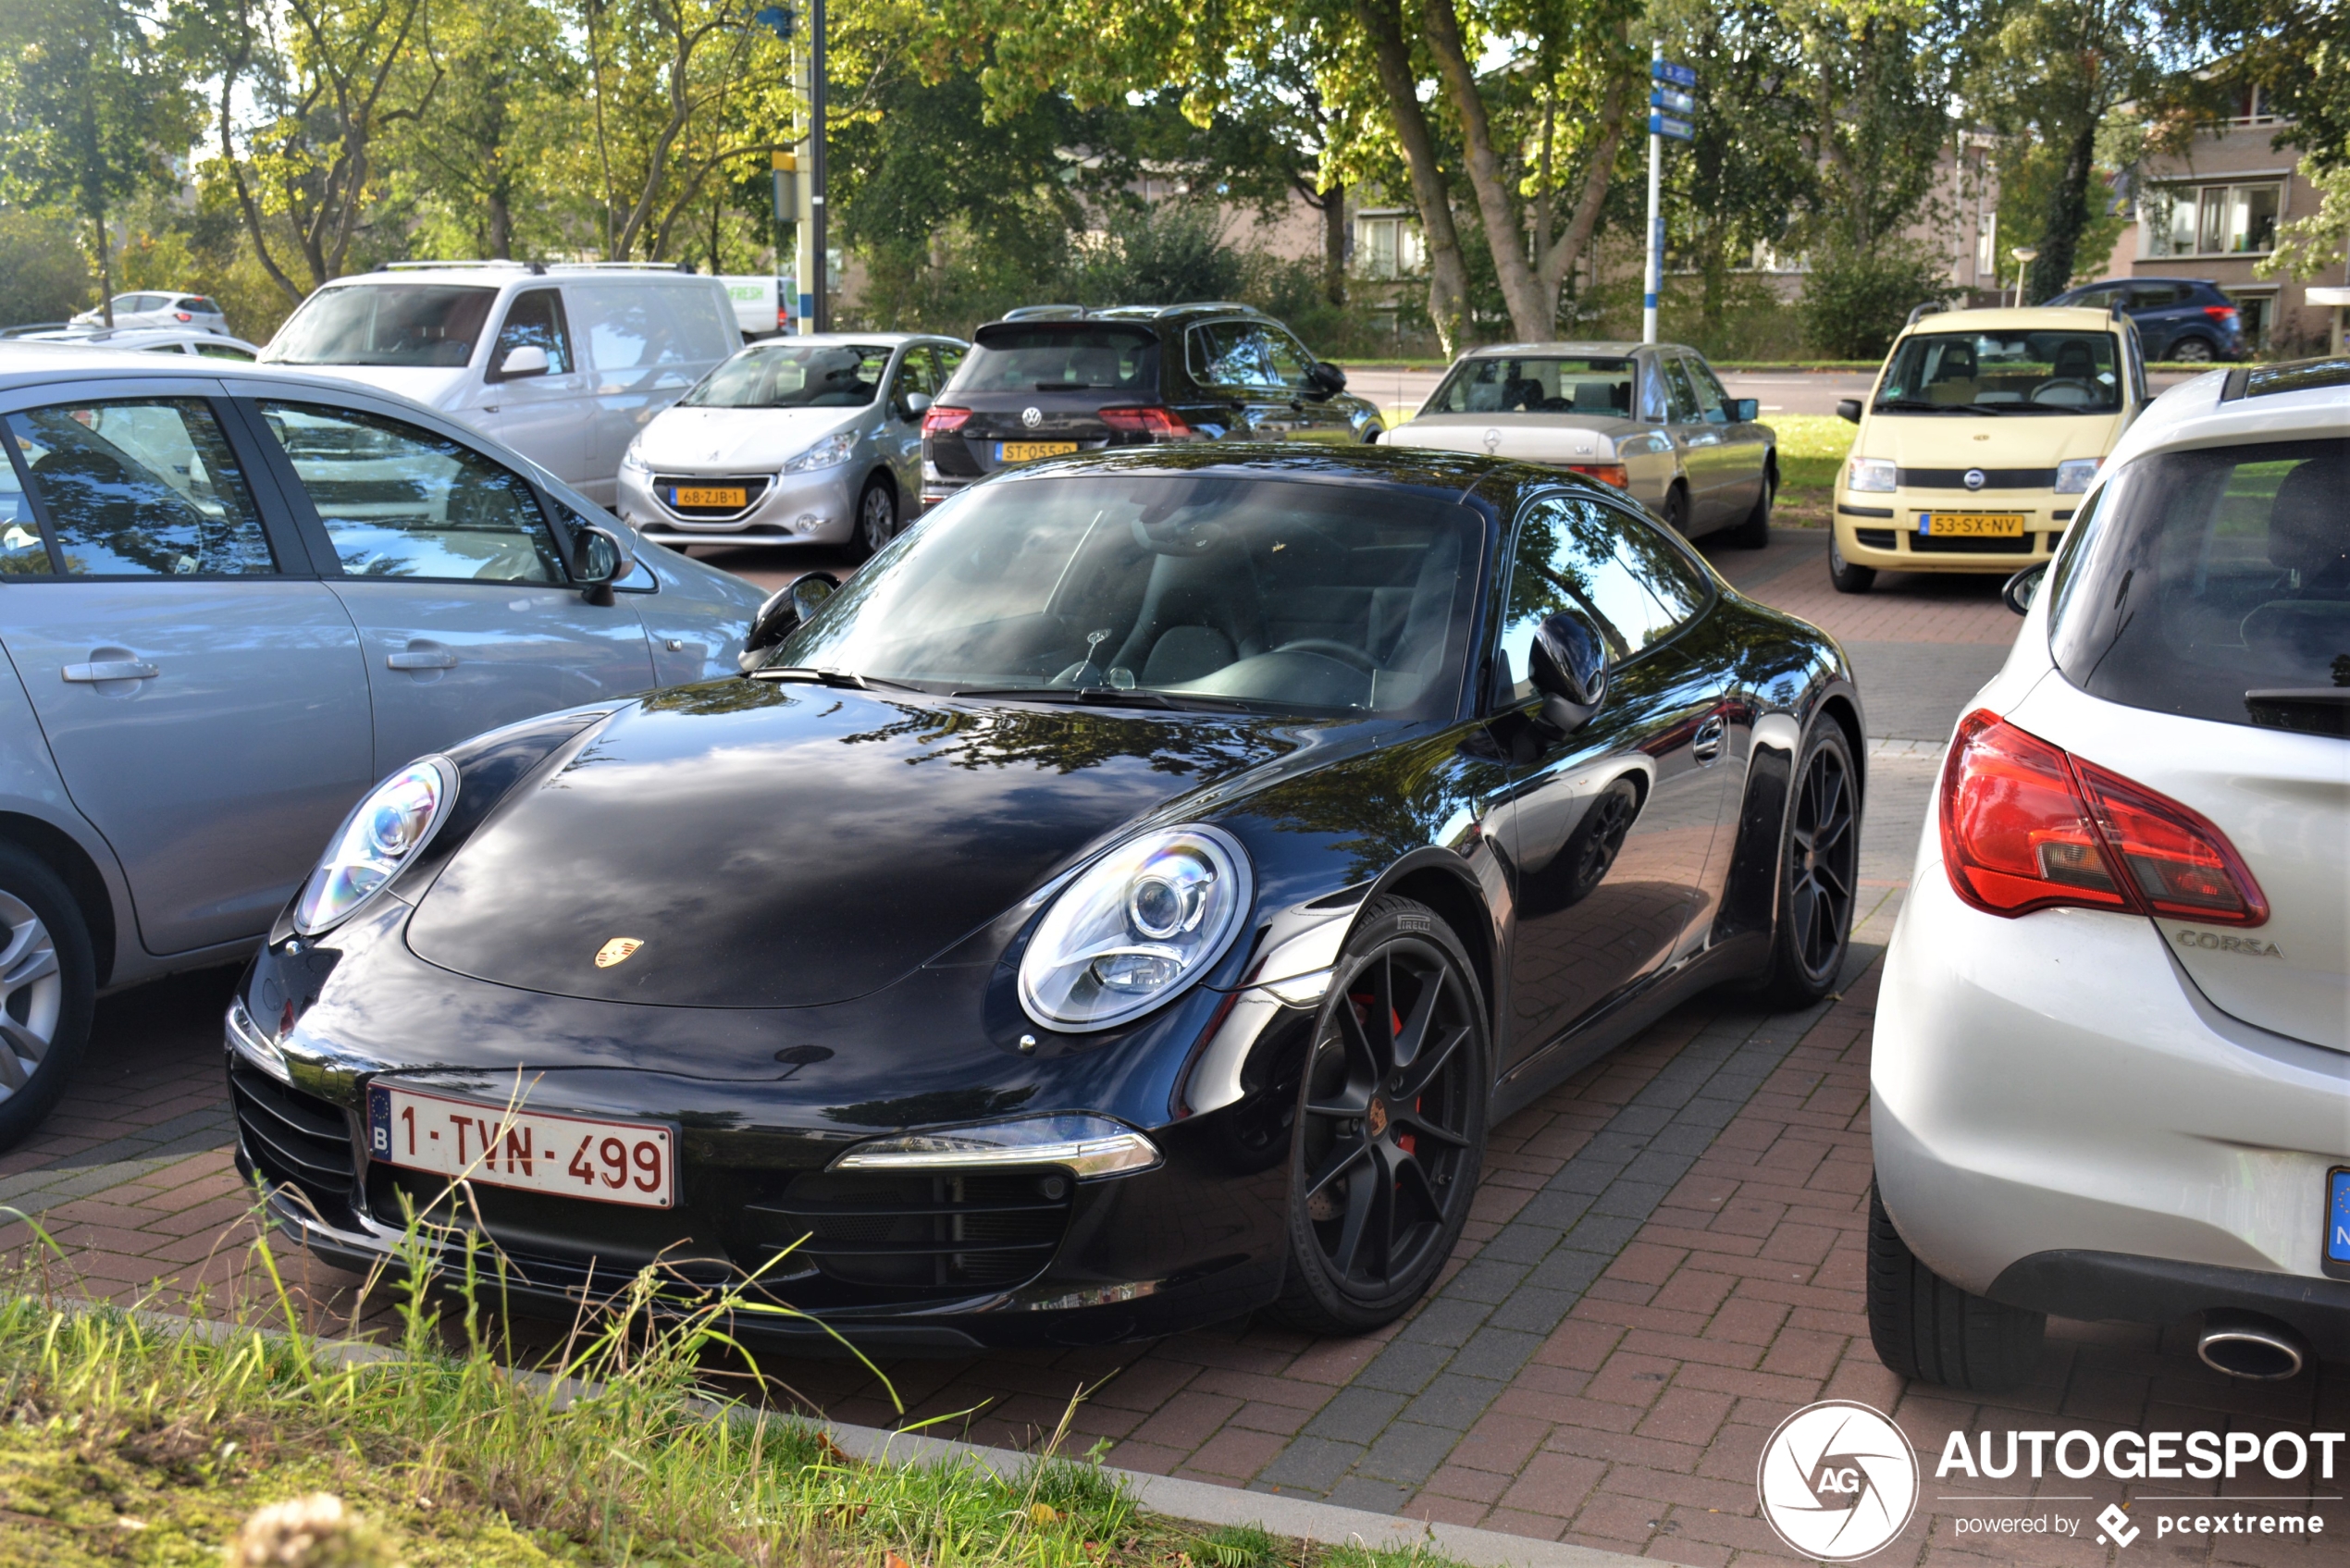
1165,590
2012,372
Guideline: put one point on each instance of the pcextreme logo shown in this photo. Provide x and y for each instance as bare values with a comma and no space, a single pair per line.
1838,1480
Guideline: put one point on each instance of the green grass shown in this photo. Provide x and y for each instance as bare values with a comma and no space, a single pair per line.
127,1437
1812,448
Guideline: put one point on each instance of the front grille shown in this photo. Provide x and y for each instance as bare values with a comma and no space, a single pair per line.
920,1232
1993,478
295,1140
1874,538
1934,544
753,486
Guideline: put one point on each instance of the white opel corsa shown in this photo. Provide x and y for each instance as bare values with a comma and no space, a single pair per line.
2111,1070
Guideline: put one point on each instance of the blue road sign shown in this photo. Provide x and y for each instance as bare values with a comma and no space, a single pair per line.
1672,100
1662,124
777,20
1665,70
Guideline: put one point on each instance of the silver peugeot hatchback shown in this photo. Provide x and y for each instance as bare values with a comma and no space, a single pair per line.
230,598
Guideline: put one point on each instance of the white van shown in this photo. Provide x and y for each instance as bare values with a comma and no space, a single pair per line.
564,364
762,309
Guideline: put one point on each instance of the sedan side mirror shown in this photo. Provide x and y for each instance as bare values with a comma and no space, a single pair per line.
917,404
527,360
1568,666
2020,590
782,612
1849,409
605,558
1746,410
1327,376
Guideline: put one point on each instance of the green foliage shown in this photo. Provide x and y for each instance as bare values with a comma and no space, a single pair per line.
44,276
1854,304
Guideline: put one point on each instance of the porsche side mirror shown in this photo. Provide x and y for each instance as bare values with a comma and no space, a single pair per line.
527,360
1849,409
605,560
1746,410
2020,590
782,612
1568,666
1327,376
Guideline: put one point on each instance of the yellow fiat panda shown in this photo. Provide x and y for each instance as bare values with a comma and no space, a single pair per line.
1984,430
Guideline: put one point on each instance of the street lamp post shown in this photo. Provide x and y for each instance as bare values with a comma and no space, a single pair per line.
2024,256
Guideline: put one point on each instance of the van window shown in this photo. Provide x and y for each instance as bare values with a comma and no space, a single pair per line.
637,326
534,320
386,323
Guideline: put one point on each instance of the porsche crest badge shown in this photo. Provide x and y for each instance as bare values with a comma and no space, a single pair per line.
616,951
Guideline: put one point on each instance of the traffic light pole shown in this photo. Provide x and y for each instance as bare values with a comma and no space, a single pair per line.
817,212
1655,270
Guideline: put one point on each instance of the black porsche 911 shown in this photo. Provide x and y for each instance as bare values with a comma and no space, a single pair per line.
1126,903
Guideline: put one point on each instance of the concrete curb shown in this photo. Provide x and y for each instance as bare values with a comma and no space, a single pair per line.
1195,1502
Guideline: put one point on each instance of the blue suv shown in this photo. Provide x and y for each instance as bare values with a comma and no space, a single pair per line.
2184,320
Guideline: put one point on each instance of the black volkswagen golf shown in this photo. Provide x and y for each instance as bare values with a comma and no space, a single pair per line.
1126,903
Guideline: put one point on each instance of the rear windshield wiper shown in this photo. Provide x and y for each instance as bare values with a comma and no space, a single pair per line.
1920,405
1074,386
844,678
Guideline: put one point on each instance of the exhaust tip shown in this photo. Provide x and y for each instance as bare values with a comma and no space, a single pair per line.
2246,1345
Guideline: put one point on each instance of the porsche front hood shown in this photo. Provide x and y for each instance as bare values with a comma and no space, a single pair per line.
766,845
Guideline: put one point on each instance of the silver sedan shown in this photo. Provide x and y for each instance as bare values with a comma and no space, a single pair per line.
1651,419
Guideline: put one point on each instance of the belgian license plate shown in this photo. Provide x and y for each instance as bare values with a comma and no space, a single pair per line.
1971,525
609,1162
1028,452
2336,1252
708,495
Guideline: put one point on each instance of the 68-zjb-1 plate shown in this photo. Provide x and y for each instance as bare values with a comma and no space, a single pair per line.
570,1157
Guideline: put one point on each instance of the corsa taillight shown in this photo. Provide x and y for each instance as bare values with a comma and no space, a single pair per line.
2027,825
939,420
1159,423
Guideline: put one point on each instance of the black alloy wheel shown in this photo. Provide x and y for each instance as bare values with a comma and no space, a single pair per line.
1676,509
876,518
1819,869
1390,1134
1847,577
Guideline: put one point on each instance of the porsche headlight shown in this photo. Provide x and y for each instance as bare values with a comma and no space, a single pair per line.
1135,928
833,450
379,836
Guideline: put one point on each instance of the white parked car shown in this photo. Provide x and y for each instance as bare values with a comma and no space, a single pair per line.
793,441
152,340
2112,1059
151,309
564,364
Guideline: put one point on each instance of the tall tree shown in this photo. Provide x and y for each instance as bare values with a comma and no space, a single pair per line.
508,88
89,108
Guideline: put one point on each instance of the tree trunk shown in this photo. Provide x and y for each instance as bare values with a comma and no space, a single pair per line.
105,265
2069,215
1382,20
1504,226
1334,244
502,228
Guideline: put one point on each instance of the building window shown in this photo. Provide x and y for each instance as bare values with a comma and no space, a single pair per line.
1386,244
2213,220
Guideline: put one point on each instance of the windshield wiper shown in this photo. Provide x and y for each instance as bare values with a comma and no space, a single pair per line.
1105,697
1074,386
844,678
1920,405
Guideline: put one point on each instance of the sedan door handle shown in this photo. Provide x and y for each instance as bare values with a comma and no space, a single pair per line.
1706,744
113,670
429,659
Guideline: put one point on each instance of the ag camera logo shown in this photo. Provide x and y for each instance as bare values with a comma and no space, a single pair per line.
1838,1480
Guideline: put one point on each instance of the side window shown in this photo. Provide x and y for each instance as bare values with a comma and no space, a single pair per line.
1233,353
145,489
630,327
225,351
1680,397
23,552
1574,554
1675,581
534,320
399,501
2155,296
1712,401
1286,356
915,374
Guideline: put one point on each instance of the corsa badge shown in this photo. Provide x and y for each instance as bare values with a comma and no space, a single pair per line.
616,951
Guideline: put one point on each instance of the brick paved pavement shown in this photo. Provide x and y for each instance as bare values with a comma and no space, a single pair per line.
1664,1260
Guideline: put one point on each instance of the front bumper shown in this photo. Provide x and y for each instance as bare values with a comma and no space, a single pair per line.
1879,529
818,507
2055,1088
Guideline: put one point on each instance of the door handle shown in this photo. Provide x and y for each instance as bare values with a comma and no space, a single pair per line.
113,670
1706,744
422,658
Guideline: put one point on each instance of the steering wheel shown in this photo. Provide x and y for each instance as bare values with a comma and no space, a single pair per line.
1329,647
2066,384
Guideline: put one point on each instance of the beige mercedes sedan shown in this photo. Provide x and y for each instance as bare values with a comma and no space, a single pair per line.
1650,418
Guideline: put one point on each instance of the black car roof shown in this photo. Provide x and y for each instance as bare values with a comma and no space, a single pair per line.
1421,468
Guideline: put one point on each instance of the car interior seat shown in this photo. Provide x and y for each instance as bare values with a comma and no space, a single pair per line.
1955,377
2309,541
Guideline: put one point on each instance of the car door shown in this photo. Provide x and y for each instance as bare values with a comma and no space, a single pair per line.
2161,310
900,436
446,561
201,691
1735,457
1609,830
545,415
1319,416
1233,361
1695,442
